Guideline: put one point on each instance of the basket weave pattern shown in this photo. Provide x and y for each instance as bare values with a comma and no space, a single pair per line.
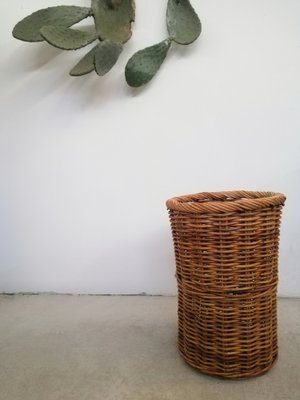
226,249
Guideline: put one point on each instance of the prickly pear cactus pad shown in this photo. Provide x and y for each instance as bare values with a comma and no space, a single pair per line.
144,64
112,28
67,38
106,55
113,19
183,23
29,28
86,64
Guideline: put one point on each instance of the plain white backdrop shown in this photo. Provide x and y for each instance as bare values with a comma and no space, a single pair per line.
86,164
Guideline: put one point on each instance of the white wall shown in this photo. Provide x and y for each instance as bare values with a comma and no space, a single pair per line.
87,163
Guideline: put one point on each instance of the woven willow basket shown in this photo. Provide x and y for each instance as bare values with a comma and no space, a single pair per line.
226,249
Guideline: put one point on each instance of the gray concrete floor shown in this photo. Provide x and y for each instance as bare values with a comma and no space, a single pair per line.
122,348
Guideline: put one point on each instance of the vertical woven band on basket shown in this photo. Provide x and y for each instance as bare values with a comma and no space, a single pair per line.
226,250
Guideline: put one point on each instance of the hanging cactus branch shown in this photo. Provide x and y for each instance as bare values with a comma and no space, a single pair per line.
184,27
112,28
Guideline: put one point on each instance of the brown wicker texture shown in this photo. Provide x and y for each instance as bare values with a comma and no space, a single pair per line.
226,249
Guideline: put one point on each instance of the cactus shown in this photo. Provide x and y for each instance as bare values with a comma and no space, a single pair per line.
184,27
183,23
113,19
67,38
144,64
86,64
106,55
112,28
29,28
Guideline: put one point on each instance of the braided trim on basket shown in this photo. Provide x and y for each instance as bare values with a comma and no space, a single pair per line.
225,202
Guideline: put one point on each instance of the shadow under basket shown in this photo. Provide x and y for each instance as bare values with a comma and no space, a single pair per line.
226,249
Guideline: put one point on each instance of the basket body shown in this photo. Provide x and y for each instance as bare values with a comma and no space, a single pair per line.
226,249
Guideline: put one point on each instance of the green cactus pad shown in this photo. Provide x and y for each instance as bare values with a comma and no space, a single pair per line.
144,64
183,23
113,19
67,38
106,55
29,28
86,64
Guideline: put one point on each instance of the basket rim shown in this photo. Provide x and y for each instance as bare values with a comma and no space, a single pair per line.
225,202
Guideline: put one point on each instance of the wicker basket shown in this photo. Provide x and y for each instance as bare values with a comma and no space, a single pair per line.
226,249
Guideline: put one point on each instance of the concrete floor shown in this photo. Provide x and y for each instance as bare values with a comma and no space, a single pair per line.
121,348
